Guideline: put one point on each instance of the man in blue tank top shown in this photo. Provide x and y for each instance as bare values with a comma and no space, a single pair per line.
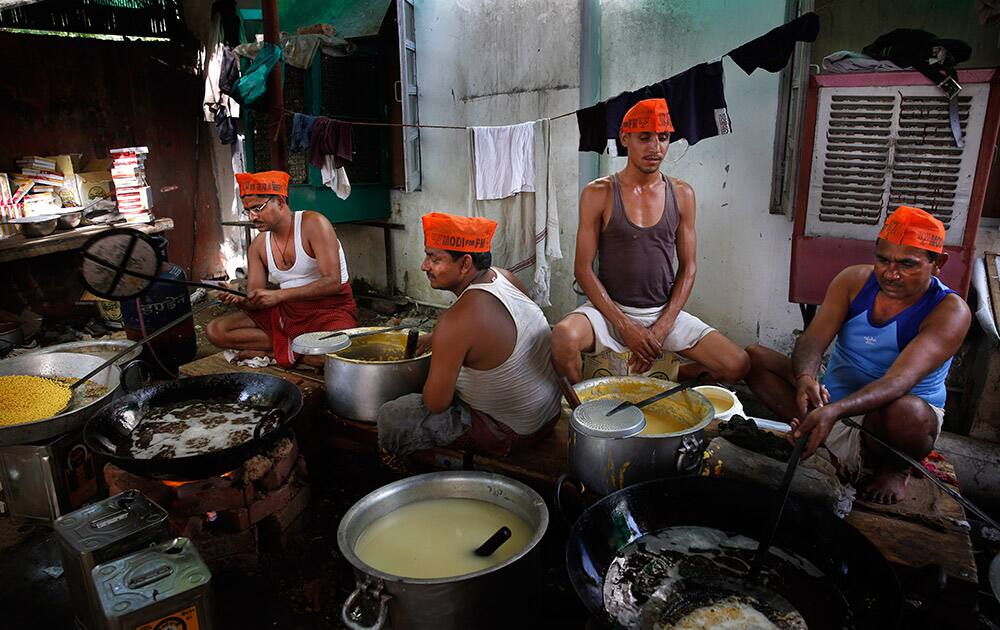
897,327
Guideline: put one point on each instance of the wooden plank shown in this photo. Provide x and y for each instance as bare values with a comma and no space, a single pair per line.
217,364
914,545
18,247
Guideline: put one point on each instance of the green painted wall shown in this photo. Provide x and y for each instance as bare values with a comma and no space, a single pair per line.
853,24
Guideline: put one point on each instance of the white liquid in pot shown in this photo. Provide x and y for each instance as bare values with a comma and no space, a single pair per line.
437,538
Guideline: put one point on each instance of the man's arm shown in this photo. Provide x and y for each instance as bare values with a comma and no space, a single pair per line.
319,234
256,276
593,200
449,345
687,245
811,344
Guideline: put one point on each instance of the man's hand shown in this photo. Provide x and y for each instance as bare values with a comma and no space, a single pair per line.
264,298
809,393
819,422
642,342
424,343
232,298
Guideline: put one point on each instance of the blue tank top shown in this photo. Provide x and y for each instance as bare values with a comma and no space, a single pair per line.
863,351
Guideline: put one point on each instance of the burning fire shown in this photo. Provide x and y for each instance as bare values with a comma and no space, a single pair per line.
176,484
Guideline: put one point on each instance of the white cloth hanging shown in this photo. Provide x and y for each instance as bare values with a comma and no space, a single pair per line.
504,160
527,235
335,178
213,68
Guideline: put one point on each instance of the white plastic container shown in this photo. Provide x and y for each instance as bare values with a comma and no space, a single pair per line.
725,401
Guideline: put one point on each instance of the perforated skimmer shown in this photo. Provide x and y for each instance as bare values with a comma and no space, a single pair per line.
591,418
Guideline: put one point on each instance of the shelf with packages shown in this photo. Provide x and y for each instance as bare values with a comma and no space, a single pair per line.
18,247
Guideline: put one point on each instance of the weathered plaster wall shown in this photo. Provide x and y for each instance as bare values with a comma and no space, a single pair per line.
493,63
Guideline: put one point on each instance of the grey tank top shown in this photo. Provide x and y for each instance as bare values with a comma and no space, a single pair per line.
636,265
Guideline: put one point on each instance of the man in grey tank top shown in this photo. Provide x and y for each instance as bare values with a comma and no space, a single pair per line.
491,385
636,222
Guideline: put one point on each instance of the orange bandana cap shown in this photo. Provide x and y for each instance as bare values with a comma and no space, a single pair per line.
650,115
459,234
914,227
266,183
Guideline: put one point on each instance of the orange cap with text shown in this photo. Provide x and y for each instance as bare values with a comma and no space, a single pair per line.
914,227
650,115
460,234
266,183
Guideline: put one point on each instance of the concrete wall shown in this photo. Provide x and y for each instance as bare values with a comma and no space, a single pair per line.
497,62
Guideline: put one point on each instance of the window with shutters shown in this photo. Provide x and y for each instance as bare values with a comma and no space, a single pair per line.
883,146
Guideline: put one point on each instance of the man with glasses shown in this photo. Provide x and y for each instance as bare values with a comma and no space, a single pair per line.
895,328
301,253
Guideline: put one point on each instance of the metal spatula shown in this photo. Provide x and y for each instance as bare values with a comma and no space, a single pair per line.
667,394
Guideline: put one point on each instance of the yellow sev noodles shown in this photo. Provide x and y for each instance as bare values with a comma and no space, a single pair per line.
29,398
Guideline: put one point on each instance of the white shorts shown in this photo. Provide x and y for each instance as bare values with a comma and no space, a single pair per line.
844,444
688,330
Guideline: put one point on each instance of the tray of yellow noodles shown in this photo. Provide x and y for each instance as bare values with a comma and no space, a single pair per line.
36,402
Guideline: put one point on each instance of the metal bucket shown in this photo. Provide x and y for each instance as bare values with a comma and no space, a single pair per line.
358,382
500,596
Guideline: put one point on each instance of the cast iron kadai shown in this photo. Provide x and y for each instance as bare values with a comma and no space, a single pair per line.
863,581
109,433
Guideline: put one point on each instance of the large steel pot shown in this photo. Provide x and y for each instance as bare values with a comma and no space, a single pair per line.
605,465
502,596
358,382
82,406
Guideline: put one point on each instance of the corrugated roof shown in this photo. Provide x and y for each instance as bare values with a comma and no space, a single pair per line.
351,18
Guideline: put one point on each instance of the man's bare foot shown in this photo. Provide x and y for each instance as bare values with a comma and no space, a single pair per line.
252,354
888,487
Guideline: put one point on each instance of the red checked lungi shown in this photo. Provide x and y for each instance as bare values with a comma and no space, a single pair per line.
288,320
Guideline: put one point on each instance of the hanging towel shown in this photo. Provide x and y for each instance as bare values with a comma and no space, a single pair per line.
335,178
527,235
331,137
253,84
302,125
300,50
772,50
697,102
504,159
591,123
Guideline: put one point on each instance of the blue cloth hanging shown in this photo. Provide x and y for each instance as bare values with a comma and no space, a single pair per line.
253,83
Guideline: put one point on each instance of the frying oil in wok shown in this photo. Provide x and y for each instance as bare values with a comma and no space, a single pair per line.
648,581
194,427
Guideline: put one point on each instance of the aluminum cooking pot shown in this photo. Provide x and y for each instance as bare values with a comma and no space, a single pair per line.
501,596
607,464
371,372
82,407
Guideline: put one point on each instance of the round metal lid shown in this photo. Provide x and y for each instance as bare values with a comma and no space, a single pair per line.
591,418
320,343
119,264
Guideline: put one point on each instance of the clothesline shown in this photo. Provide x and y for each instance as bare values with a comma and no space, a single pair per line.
418,125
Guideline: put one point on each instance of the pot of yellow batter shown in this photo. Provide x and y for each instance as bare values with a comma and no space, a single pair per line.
671,443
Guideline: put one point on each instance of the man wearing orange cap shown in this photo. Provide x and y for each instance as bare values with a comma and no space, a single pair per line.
301,253
895,328
491,386
635,223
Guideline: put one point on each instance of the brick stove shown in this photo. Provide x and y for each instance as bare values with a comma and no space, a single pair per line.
231,516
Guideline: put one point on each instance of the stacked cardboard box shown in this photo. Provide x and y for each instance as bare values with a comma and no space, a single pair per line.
128,172
45,182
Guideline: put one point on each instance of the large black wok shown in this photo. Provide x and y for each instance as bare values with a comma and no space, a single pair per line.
109,432
868,585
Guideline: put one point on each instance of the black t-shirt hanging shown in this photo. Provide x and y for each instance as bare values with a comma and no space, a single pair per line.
772,50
